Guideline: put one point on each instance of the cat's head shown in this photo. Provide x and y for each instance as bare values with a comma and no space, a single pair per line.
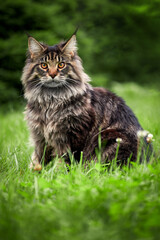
53,71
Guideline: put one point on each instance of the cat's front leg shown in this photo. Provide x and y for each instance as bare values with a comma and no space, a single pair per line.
39,151
35,164
37,157
43,153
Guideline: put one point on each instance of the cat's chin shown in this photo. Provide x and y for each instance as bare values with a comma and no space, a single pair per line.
53,84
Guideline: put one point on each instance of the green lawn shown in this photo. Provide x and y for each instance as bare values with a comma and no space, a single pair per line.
92,203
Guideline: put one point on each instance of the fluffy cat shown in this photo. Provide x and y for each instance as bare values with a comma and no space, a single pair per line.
65,113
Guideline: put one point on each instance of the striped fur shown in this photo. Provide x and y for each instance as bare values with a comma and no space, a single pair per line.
64,113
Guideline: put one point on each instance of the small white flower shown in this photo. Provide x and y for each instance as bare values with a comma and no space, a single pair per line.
142,133
118,140
149,138
150,135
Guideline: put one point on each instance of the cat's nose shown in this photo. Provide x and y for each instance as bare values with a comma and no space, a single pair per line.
53,73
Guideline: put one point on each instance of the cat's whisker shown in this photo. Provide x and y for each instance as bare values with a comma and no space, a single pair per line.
71,80
38,86
67,86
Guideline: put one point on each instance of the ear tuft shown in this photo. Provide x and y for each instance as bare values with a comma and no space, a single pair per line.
35,48
70,46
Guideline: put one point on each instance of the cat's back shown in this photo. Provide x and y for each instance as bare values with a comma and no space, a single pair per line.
114,110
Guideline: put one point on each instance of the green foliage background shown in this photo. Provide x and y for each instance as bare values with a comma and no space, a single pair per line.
118,39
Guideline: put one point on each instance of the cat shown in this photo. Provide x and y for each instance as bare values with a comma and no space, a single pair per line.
66,114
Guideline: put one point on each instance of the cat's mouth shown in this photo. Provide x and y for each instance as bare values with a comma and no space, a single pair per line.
53,83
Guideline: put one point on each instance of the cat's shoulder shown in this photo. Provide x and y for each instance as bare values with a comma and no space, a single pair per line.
103,93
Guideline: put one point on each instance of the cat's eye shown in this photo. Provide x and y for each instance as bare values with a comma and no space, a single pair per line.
61,65
44,65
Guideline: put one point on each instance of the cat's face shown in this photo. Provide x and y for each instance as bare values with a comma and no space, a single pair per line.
53,63
53,70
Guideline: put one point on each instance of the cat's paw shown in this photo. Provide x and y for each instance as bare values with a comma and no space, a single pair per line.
35,165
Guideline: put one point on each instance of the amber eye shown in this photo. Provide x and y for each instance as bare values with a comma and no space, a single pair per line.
61,65
44,65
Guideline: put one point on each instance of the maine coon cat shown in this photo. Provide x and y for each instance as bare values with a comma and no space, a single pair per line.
65,113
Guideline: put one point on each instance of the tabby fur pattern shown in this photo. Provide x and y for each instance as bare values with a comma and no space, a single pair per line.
66,114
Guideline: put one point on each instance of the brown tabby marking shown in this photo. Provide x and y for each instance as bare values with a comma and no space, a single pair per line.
65,113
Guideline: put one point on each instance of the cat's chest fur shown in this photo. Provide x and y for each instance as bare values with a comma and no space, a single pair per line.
57,119
61,123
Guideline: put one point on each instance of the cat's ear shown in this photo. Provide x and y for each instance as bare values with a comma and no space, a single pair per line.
70,47
35,47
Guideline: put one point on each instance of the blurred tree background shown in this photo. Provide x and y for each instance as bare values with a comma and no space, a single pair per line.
117,39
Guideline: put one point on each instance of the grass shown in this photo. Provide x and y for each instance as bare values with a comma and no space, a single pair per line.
92,203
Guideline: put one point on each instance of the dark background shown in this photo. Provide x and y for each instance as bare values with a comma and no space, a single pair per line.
118,40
